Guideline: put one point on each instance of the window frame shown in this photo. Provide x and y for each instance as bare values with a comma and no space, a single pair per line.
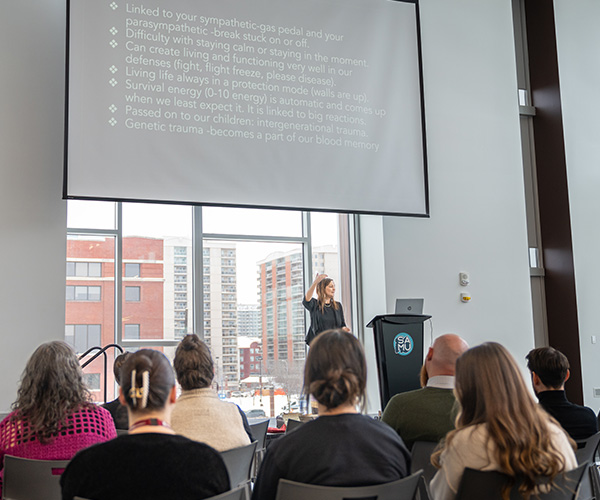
196,260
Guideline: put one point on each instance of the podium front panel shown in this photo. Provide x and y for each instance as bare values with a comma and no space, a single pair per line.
399,349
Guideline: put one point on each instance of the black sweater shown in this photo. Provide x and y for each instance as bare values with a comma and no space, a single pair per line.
149,466
342,450
579,421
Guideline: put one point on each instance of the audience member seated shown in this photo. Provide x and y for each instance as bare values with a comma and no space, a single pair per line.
428,414
150,462
53,415
499,426
199,414
116,409
341,447
549,372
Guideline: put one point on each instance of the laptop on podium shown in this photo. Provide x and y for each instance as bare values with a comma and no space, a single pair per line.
409,306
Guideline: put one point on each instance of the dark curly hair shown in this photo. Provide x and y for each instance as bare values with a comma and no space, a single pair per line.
336,371
51,388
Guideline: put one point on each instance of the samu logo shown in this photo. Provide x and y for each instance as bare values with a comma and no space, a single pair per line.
403,344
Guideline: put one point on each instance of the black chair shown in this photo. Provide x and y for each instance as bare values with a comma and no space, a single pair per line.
292,425
587,452
403,489
421,458
26,479
259,432
239,464
590,483
489,485
239,493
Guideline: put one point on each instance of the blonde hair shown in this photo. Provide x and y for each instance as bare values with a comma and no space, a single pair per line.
321,296
491,391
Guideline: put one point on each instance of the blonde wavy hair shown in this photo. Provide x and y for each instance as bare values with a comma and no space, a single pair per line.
491,391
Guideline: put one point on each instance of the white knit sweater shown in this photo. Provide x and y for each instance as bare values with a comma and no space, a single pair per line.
200,415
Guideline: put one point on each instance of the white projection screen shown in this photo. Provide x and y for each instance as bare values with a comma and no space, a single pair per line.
259,103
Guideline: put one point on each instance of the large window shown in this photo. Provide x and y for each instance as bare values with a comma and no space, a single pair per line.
234,276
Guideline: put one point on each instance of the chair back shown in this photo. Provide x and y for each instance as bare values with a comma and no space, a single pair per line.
403,489
239,463
259,432
27,479
489,485
421,458
590,483
239,493
292,425
587,453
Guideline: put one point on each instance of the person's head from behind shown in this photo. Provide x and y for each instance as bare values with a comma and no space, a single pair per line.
147,382
441,357
549,369
51,388
490,390
118,364
335,373
193,364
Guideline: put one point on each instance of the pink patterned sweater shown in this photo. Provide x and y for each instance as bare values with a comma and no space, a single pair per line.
84,428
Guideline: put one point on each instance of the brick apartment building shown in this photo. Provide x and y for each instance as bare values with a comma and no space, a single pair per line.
90,307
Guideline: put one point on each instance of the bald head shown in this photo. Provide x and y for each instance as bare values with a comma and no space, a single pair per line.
442,356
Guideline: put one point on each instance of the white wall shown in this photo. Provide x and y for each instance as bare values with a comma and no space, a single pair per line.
578,40
32,214
477,210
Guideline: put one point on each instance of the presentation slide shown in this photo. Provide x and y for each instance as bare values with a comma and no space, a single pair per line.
306,105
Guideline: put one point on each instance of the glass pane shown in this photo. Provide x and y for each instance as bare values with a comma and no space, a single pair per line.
95,269
81,338
81,269
70,268
91,214
94,336
325,247
131,271
70,335
249,221
94,295
70,293
131,332
253,298
132,293
157,251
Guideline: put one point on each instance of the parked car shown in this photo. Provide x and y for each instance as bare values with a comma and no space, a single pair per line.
255,413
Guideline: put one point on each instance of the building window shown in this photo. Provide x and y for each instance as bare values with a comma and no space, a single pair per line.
82,337
131,332
132,270
91,269
86,293
92,381
132,293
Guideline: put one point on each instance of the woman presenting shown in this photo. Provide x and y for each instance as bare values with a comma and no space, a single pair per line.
325,313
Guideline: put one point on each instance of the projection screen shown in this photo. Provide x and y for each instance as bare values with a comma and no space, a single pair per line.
261,103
